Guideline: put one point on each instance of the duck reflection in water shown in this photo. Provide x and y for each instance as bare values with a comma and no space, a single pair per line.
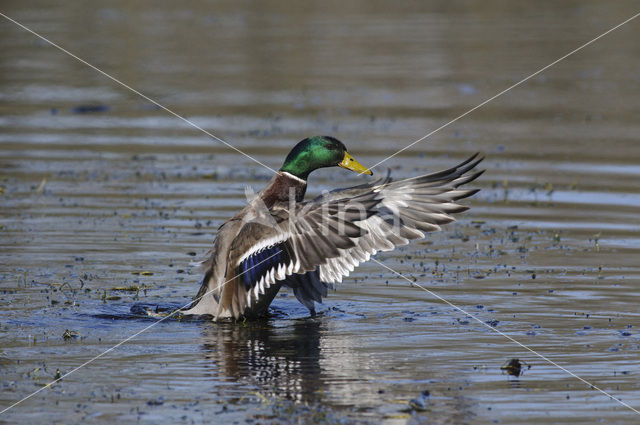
282,361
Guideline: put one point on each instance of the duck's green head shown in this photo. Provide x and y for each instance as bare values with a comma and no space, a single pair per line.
318,152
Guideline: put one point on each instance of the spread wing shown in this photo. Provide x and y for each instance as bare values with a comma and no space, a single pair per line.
312,245
409,208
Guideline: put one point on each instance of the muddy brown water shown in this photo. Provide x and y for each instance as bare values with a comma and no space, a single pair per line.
100,190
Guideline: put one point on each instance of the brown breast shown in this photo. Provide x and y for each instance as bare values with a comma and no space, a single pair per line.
282,188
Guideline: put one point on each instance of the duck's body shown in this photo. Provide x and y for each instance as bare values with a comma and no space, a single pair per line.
278,239
273,197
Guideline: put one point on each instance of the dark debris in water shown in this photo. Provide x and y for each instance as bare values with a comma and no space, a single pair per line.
515,367
89,109
130,288
420,403
70,334
156,401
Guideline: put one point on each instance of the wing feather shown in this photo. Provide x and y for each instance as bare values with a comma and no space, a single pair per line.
321,241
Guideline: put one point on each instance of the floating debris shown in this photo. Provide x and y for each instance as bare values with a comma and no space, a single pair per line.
130,288
156,401
515,367
420,403
69,334
89,109
40,188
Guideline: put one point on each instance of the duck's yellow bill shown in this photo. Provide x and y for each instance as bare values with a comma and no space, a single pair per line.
350,163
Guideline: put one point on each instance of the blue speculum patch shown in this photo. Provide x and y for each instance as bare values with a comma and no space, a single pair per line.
257,265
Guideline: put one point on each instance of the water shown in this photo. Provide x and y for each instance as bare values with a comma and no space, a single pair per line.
120,194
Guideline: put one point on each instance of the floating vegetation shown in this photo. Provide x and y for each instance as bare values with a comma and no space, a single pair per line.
40,188
134,289
34,372
130,288
548,187
596,238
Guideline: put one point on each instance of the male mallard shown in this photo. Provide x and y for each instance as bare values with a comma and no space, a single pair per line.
278,239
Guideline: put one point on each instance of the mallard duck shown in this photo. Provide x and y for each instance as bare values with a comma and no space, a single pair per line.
279,239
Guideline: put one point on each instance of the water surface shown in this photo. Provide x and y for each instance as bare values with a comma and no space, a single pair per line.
102,191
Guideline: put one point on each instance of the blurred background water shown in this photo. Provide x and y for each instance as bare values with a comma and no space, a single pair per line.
105,199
